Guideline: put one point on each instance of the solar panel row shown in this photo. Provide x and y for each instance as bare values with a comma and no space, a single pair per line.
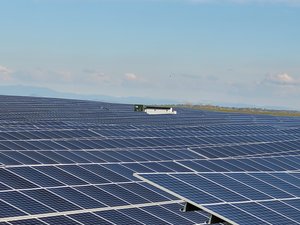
72,162
240,198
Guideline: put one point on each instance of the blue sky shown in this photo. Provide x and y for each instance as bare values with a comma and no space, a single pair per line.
198,51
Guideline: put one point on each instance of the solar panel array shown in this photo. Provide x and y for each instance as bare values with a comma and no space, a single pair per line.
238,197
72,161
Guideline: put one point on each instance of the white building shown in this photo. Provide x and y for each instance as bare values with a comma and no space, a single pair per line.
154,110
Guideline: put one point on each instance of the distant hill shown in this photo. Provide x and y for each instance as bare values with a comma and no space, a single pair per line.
21,90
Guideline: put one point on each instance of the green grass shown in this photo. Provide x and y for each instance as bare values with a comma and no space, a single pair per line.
239,110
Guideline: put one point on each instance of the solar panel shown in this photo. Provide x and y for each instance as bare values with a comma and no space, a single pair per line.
73,161
235,197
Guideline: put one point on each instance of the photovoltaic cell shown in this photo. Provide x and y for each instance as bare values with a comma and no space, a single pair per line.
77,158
263,198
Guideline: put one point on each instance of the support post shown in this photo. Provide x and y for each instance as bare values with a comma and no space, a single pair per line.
214,219
189,207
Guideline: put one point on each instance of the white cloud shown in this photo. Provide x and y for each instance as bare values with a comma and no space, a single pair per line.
281,79
65,75
5,74
135,82
5,70
285,78
131,76
96,76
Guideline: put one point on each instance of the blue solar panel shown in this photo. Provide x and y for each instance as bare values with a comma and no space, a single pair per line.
255,197
51,200
59,220
167,215
14,181
35,176
235,215
7,210
77,158
266,214
61,175
118,218
78,198
24,203
102,195
90,219
28,222
143,216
